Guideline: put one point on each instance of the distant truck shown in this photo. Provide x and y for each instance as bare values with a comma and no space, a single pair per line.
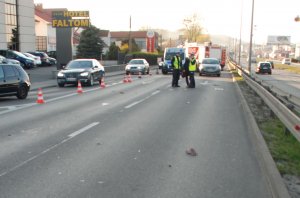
168,55
214,51
207,51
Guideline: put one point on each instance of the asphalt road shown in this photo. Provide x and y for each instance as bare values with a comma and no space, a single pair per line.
130,140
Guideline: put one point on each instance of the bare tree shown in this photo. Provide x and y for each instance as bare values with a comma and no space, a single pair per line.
193,29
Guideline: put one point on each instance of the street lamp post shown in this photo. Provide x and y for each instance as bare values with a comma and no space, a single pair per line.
240,44
251,34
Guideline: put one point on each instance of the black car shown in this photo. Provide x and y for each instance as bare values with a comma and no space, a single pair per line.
25,61
44,58
87,71
14,81
264,67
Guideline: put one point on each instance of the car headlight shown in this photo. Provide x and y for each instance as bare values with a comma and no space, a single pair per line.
84,74
127,67
60,74
139,67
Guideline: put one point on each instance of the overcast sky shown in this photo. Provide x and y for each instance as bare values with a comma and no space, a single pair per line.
271,17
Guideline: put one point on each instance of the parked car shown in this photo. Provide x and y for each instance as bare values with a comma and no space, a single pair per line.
4,60
37,59
286,61
210,66
86,71
44,58
52,54
52,61
263,67
25,61
14,81
136,66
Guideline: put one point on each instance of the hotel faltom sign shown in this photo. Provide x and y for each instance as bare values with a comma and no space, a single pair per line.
65,19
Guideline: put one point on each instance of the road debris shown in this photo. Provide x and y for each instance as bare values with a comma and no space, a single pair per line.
191,152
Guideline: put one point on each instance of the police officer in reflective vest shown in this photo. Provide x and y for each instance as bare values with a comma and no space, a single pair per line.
190,67
176,64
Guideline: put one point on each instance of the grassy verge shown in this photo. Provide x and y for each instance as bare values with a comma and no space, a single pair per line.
289,68
284,147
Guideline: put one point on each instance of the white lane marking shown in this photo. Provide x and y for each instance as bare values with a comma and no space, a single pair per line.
219,89
134,103
105,104
50,148
204,83
156,92
18,108
83,129
142,100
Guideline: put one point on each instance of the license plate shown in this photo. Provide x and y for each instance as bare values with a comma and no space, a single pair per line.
71,79
265,68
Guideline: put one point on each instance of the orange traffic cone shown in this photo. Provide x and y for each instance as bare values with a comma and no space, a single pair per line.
79,88
129,78
140,76
40,99
102,83
125,80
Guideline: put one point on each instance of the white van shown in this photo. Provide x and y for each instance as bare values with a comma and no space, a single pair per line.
286,61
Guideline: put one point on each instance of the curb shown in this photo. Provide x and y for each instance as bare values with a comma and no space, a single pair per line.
272,176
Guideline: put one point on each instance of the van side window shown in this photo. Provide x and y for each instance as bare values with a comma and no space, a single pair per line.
1,73
9,71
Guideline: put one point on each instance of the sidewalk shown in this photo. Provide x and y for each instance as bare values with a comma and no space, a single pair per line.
44,77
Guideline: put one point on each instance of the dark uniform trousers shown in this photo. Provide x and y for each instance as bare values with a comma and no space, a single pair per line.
191,77
176,75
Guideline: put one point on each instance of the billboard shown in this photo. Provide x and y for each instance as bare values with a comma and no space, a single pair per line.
279,40
70,19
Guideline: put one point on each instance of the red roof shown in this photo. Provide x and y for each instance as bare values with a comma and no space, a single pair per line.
46,14
125,34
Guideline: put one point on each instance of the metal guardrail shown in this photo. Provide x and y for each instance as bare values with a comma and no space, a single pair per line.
286,116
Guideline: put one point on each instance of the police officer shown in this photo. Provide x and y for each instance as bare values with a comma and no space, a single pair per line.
190,67
176,64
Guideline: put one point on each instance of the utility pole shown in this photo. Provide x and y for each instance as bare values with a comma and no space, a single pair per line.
251,34
240,44
130,40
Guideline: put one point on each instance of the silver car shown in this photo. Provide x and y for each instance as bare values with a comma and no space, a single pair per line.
137,66
210,66
4,60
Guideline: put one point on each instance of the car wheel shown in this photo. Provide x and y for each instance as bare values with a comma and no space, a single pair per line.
61,84
164,72
91,81
218,75
200,74
22,92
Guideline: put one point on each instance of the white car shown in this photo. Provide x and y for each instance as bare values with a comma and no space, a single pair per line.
138,65
210,66
37,59
286,61
4,60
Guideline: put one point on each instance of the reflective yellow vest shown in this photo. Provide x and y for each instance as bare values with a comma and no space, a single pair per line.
176,62
192,66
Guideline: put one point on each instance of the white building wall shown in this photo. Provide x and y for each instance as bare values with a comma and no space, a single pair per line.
3,44
51,38
26,25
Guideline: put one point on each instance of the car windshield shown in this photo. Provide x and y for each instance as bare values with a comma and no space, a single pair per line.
265,64
79,64
210,61
20,54
136,62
